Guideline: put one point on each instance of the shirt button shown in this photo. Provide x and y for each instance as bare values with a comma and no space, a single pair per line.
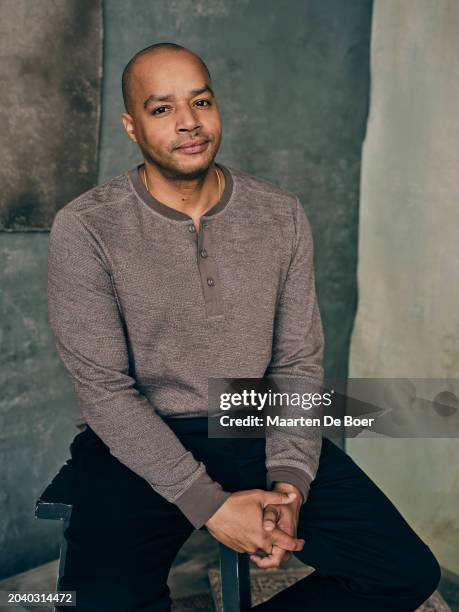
203,253
210,282
192,228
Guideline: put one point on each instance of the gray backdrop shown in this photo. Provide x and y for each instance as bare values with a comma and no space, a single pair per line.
292,82
50,73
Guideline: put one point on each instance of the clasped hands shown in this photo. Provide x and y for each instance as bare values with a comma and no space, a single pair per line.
260,523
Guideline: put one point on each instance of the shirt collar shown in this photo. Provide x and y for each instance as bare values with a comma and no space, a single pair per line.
172,213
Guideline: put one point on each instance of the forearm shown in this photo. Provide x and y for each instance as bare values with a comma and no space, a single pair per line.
136,435
284,450
293,451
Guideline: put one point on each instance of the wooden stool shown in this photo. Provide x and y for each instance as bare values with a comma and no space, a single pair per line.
56,503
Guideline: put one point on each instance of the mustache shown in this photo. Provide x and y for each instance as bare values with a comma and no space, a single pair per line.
194,136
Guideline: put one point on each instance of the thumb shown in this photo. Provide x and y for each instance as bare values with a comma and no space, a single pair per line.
270,517
278,497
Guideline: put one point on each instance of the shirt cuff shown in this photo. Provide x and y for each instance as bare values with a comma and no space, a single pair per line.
201,500
291,475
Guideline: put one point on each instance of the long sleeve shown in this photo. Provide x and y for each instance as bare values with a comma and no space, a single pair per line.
298,347
90,336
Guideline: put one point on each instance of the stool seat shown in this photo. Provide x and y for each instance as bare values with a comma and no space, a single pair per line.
56,503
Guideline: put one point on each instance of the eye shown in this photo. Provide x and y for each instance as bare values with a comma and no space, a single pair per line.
207,102
155,112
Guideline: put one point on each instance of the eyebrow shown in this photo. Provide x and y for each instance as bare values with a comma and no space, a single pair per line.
168,97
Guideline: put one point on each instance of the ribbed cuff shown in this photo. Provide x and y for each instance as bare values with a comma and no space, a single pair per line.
291,475
201,500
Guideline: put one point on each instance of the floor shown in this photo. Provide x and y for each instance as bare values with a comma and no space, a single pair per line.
188,574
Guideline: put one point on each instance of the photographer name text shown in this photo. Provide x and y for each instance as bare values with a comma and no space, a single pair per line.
276,421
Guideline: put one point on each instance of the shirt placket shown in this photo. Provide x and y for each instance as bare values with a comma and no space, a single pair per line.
208,269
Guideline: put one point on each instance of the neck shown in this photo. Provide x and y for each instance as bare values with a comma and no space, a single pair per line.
190,196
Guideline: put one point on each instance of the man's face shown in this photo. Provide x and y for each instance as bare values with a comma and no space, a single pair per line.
171,105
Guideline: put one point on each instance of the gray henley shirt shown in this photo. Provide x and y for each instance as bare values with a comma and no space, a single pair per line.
144,310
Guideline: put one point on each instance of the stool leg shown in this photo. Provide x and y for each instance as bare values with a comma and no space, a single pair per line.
62,553
235,580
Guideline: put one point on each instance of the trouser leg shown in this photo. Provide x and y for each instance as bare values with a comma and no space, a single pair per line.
365,554
122,537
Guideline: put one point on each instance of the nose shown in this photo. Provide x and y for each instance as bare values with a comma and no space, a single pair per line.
187,119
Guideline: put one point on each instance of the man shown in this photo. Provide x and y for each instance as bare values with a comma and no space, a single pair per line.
177,271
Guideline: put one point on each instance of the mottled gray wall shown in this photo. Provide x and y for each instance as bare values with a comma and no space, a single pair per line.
50,67
36,404
408,317
292,84
292,81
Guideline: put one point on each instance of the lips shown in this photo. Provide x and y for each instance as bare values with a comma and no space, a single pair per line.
197,145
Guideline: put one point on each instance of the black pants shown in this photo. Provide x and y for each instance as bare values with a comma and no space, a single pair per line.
123,536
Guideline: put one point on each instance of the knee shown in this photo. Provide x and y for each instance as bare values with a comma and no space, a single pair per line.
421,577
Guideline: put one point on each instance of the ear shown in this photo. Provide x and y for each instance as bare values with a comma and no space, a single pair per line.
128,123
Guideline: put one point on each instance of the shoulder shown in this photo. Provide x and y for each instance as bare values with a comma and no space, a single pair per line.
267,202
82,222
271,203
260,187
104,198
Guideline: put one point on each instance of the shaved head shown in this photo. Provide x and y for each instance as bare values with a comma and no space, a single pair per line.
170,101
126,79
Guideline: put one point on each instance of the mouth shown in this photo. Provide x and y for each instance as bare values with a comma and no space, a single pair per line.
198,145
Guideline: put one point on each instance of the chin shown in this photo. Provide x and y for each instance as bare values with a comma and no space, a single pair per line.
194,167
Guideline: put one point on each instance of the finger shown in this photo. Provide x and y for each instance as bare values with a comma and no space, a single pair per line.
270,561
266,563
287,556
270,517
255,559
261,554
285,541
278,497
284,555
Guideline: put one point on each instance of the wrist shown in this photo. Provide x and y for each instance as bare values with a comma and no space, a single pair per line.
286,487
214,518
209,521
